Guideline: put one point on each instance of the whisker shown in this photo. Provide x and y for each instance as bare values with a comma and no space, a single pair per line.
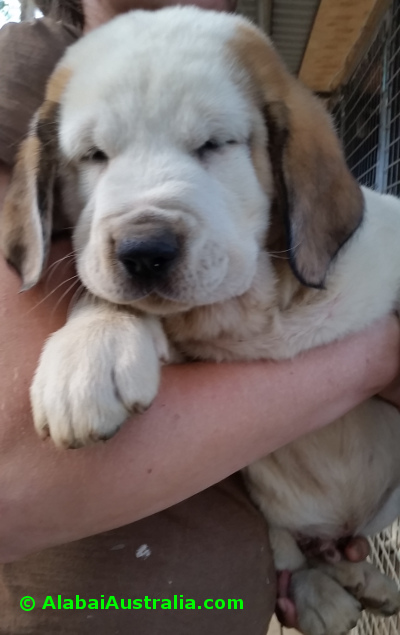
275,257
53,268
63,295
48,295
75,298
71,253
282,251
273,254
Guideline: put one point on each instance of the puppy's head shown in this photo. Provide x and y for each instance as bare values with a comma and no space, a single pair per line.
170,138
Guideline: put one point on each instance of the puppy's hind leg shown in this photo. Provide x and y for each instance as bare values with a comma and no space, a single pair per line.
287,555
374,591
322,604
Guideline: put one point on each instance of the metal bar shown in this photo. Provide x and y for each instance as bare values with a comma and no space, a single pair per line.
382,164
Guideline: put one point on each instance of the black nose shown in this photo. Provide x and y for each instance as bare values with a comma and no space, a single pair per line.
148,257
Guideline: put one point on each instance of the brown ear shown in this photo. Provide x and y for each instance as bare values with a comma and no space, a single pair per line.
26,220
321,202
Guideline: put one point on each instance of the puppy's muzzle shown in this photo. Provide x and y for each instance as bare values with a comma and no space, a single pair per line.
148,258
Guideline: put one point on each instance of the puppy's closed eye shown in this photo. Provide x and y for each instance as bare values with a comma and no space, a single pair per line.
95,155
211,146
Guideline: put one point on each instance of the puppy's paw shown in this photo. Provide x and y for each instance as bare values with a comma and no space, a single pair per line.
323,606
99,368
375,591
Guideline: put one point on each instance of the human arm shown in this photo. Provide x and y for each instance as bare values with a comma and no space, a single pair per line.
208,421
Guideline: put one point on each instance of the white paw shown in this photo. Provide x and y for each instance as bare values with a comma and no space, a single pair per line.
375,591
100,367
323,606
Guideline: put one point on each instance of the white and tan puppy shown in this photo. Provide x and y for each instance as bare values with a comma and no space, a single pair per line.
184,153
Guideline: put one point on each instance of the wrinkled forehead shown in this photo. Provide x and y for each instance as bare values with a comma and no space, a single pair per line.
156,72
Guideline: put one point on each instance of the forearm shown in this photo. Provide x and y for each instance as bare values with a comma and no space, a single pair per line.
208,421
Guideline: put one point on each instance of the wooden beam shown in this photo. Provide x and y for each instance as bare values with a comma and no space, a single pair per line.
339,29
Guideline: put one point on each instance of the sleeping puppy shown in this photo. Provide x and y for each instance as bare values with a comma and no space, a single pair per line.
184,158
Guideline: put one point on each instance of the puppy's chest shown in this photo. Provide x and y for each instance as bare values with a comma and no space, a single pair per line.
220,334
253,326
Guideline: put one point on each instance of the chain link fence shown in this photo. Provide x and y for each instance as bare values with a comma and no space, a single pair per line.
367,115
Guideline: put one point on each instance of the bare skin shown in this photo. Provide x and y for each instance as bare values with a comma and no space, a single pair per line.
49,497
99,11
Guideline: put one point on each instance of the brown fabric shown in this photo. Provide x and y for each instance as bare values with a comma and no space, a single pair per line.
43,43
213,545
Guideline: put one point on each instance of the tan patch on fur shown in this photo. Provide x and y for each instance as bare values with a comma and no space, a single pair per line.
325,201
27,214
271,80
57,84
16,215
54,90
27,160
260,160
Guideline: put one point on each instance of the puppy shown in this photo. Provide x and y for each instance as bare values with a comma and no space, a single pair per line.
183,158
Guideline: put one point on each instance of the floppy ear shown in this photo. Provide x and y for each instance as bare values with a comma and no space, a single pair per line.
320,201
26,221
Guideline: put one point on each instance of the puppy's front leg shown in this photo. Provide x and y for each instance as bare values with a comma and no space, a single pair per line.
103,365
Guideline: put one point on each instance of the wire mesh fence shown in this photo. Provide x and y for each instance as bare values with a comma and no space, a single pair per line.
367,115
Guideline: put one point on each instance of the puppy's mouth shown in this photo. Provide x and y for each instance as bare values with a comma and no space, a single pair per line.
157,294
153,292
141,270
159,271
